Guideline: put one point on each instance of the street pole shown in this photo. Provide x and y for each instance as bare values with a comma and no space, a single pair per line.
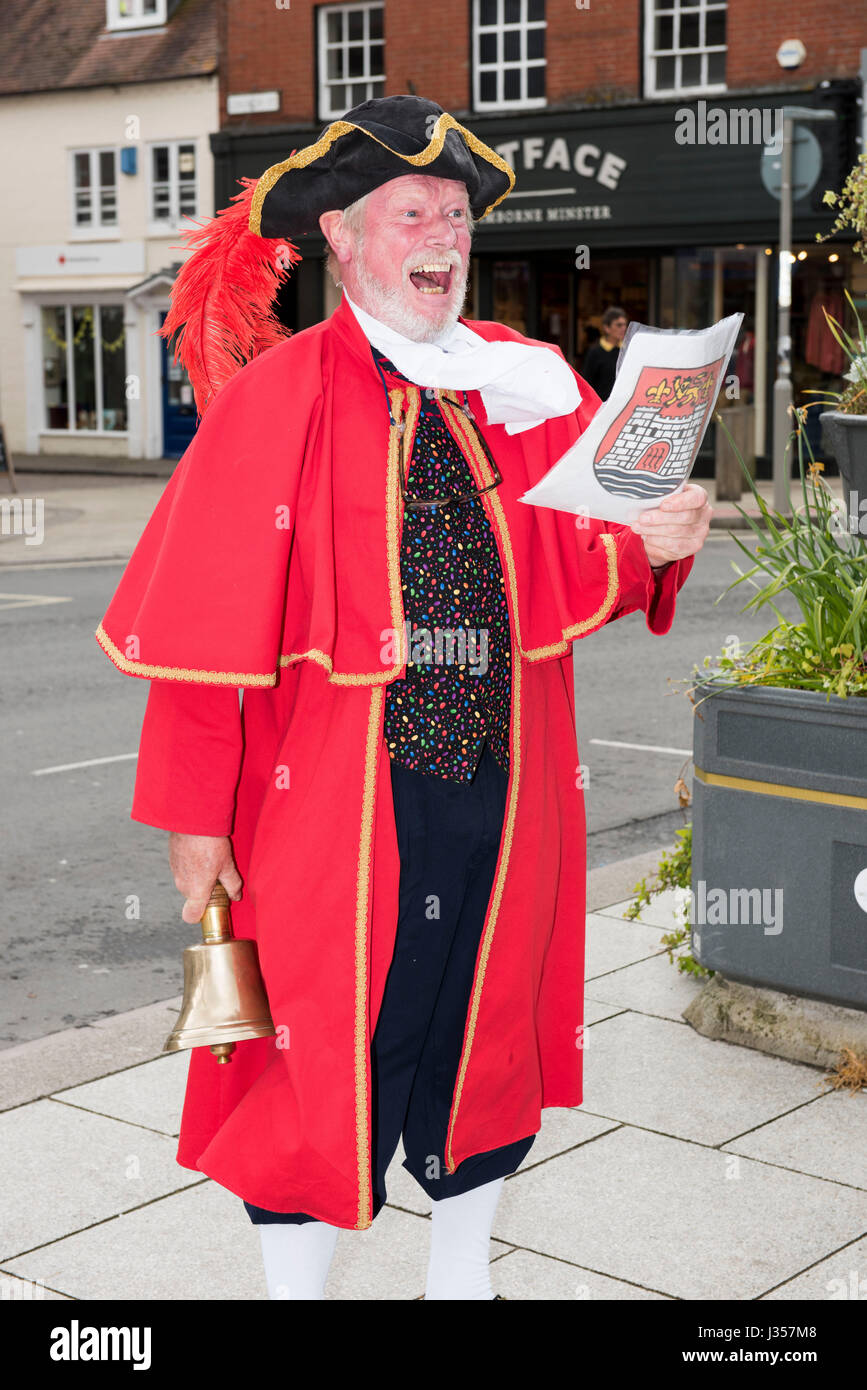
783,383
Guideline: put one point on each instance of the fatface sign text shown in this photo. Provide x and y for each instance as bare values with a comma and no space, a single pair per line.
539,155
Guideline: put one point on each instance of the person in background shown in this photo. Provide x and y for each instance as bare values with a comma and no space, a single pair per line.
600,359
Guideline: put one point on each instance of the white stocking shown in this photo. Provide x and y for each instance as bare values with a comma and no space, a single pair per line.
460,1244
297,1257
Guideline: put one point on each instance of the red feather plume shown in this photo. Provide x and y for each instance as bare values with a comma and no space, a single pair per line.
222,298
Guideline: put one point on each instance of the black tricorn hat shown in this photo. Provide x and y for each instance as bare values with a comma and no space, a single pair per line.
379,140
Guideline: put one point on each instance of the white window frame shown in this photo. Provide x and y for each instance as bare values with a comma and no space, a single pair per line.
69,302
328,112
523,26
177,221
135,16
676,8
96,229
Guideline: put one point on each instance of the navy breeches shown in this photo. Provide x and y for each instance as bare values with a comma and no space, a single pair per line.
448,837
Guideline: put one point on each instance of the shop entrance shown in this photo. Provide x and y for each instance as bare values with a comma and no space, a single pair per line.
179,407
545,296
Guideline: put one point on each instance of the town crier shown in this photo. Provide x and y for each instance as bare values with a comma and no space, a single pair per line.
394,804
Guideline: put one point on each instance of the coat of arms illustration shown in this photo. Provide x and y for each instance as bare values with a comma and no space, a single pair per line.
651,446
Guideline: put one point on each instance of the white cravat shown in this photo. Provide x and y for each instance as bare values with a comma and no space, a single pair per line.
521,385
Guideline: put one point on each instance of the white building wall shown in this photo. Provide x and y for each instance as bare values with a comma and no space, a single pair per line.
38,133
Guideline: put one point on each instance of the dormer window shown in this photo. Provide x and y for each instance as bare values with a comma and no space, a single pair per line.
134,14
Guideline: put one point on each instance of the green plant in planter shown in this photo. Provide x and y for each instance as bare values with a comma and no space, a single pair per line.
674,871
813,556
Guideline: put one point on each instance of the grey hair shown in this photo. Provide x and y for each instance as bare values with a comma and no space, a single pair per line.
353,219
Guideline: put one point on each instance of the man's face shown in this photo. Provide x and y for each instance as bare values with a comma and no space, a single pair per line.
410,264
615,330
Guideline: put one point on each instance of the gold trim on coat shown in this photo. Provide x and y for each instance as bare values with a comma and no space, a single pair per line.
393,518
481,469
178,673
401,437
302,158
362,913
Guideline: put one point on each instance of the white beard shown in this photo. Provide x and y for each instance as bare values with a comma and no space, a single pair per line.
389,305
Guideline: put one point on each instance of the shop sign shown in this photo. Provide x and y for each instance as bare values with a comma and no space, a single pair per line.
561,179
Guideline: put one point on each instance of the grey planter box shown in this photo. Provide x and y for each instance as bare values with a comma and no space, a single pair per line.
775,861
846,437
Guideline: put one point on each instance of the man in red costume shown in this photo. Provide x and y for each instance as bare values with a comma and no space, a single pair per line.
394,807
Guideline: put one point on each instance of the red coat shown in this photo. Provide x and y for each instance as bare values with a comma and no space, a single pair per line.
271,562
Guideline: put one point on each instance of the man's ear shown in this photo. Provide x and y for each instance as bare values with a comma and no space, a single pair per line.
335,233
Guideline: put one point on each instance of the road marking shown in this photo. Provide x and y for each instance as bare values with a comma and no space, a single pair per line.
29,600
89,762
643,747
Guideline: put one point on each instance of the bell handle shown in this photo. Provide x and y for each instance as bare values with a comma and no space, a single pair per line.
215,921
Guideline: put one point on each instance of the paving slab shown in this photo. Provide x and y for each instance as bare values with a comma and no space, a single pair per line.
663,910
612,943
387,1261
561,1129
653,986
523,1275
611,883
200,1244
827,1138
675,1218
151,1095
662,1076
842,1277
65,1169
594,1012
31,1070
25,1291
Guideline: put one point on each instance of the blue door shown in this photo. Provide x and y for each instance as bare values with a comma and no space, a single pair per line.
179,407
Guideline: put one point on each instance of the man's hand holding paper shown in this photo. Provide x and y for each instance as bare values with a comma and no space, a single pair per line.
677,527
636,455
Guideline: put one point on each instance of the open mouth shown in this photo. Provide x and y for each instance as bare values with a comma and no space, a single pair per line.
434,277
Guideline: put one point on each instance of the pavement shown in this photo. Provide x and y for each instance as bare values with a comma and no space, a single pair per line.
693,1170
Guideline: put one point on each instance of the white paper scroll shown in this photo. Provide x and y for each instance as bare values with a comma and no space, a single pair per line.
642,443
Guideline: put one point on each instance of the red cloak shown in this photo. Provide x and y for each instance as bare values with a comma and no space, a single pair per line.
271,562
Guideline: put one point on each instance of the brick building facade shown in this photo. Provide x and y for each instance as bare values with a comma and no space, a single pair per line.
594,55
584,101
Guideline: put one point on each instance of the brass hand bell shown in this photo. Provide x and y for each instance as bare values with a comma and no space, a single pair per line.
224,996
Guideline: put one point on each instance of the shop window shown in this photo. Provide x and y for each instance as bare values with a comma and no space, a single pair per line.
684,47
351,50
510,289
508,54
134,14
84,368
173,185
94,189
